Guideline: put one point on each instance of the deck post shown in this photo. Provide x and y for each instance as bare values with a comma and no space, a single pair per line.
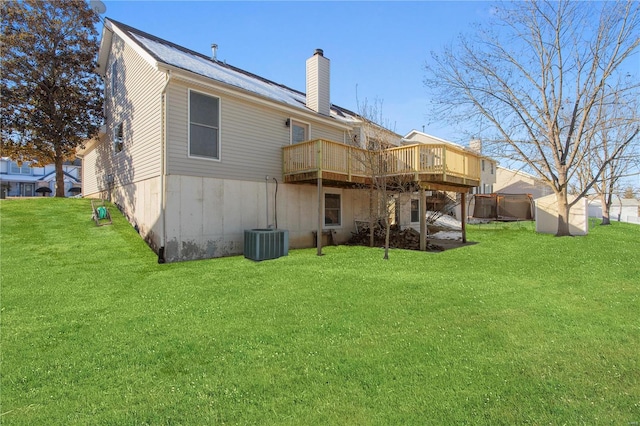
349,164
423,220
416,163
444,164
465,172
319,230
463,213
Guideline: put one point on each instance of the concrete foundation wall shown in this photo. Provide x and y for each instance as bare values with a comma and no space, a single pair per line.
206,217
140,203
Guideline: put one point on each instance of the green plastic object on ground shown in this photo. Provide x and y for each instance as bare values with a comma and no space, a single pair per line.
102,212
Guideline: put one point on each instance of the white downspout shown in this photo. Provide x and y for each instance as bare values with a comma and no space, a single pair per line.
163,167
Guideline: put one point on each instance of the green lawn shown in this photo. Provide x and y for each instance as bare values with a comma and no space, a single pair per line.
518,329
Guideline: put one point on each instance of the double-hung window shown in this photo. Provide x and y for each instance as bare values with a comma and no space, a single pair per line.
204,126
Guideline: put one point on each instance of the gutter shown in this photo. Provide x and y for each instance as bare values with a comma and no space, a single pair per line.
163,166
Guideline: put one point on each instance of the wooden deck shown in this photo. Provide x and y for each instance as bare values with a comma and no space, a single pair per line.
432,166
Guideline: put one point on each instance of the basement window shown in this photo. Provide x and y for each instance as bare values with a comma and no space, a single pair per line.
415,211
332,211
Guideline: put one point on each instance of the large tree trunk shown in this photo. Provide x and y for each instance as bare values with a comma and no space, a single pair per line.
372,216
59,177
386,237
387,222
606,204
563,213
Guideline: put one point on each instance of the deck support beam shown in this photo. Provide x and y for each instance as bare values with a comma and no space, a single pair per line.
463,213
319,230
423,219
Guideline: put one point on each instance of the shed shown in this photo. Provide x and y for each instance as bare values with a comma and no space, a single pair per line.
547,216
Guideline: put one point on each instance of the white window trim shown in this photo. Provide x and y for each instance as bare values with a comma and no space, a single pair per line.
197,157
291,121
338,192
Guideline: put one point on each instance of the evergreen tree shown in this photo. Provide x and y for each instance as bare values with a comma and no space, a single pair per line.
51,98
629,193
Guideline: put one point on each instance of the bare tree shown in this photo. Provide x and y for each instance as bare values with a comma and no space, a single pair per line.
375,137
614,130
533,80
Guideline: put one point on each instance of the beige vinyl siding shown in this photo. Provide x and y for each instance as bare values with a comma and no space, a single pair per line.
137,104
251,137
516,182
486,175
89,176
97,167
326,132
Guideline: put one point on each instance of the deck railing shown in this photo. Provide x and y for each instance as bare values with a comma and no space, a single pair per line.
433,159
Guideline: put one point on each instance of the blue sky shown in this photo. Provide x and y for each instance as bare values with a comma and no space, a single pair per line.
377,49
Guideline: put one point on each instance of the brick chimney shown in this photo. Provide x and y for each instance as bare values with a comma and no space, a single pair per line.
318,83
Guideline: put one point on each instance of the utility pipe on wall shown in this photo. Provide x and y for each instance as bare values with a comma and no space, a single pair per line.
275,204
266,199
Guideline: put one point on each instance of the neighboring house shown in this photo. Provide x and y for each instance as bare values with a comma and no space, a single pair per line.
510,181
438,201
195,151
622,209
24,180
488,165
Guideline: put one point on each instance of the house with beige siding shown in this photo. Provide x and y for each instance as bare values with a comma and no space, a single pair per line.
511,181
194,151
488,166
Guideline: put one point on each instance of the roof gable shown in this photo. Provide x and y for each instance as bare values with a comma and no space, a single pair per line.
423,137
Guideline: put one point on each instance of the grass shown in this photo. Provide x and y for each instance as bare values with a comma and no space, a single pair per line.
519,329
